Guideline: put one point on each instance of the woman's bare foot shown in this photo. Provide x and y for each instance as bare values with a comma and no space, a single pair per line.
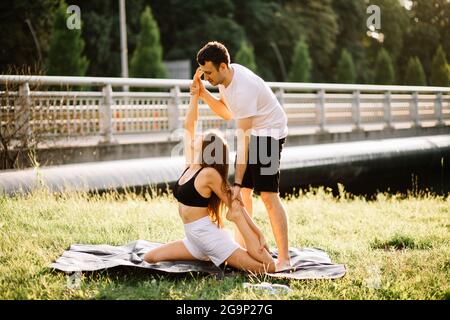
234,212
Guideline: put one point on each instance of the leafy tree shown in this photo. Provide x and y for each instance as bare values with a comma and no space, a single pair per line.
351,36
428,28
246,56
101,35
273,51
65,56
384,69
414,73
346,72
188,25
317,22
147,57
301,64
18,18
439,69
435,14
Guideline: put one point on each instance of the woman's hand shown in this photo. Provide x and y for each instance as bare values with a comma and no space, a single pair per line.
262,242
197,87
195,90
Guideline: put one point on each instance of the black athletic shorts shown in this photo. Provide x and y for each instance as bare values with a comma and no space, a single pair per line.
263,164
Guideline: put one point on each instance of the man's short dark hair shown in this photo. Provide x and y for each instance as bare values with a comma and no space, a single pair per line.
215,52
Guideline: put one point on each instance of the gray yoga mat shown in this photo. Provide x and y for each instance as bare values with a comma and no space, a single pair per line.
307,263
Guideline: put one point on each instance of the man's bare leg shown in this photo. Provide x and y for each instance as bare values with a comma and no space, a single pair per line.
248,204
278,220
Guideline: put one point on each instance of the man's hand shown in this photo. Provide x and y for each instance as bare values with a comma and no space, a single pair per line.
237,195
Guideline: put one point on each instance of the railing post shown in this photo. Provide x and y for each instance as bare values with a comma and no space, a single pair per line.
173,109
438,109
23,110
387,110
356,110
414,109
106,115
321,109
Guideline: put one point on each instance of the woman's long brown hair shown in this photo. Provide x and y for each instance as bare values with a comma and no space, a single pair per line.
215,155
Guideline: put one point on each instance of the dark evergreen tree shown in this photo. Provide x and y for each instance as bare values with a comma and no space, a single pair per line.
384,69
65,56
415,76
147,57
346,72
439,69
302,64
19,19
317,22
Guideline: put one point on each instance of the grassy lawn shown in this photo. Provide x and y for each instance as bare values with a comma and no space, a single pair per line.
394,247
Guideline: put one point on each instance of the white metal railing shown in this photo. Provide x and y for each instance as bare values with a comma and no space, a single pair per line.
107,112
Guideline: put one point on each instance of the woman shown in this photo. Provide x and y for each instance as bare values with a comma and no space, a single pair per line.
203,193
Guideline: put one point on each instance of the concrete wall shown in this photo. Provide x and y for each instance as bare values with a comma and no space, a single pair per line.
123,151
357,165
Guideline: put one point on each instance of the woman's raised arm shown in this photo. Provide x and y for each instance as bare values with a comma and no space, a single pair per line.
190,122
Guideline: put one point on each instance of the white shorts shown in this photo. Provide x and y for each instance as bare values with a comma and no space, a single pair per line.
205,241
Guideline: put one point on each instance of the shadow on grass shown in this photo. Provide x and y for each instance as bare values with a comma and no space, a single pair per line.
136,283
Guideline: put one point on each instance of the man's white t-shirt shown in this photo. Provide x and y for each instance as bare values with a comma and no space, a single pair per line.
249,96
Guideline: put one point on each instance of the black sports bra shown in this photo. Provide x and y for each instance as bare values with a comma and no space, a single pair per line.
187,194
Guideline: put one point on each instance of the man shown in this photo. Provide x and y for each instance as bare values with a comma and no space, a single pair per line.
261,126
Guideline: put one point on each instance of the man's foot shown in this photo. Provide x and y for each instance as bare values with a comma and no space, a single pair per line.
283,265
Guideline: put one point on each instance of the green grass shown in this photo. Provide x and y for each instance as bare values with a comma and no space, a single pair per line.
394,247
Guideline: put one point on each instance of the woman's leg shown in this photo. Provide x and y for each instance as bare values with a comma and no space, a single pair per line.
251,239
171,251
240,259
248,203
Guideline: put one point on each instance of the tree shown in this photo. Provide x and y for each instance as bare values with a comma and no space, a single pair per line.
317,22
394,23
415,76
273,51
19,19
65,57
346,72
246,56
384,69
391,36
429,25
101,35
351,21
439,69
147,57
188,25
422,38
301,63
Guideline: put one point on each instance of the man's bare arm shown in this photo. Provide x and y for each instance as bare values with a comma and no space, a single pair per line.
216,105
